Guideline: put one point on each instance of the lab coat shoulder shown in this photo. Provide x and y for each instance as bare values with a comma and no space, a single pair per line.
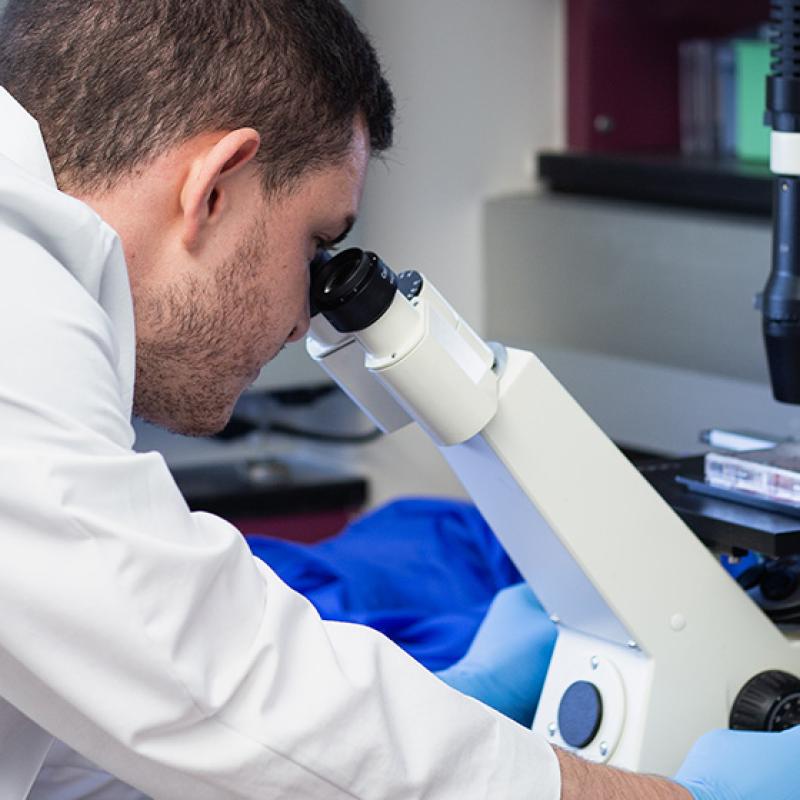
62,362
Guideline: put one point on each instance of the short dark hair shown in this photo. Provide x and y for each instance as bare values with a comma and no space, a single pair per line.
114,83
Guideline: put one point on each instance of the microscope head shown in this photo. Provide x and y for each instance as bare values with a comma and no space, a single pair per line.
398,348
780,300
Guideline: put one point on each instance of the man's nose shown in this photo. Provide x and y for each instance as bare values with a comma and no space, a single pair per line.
301,328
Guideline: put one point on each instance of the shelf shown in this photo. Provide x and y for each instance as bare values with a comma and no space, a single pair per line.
666,180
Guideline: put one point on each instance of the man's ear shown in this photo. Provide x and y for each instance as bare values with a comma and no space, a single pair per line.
204,192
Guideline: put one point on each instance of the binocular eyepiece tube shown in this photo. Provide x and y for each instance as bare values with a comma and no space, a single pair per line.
352,289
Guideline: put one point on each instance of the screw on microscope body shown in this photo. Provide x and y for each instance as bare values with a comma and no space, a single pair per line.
595,662
604,749
551,729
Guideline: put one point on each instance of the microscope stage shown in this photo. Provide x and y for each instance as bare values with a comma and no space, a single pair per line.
722,523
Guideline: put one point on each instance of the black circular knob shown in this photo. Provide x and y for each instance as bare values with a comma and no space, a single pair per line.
580,714
352,290
770,701
779,583
409,283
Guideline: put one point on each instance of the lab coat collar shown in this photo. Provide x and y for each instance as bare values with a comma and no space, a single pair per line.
21,140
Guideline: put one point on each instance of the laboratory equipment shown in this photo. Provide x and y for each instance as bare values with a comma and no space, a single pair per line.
657,643
769,474
780,300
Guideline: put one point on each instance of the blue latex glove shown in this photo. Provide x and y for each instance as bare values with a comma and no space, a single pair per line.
743,765
507,662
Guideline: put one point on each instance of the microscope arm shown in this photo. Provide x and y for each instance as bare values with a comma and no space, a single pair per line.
646,614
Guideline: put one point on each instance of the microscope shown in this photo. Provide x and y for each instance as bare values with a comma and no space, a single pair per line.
657,643
780,300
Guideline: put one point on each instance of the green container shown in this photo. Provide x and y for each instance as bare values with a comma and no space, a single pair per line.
752,68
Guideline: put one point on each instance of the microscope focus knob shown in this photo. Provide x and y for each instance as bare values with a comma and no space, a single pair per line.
580,714
770,701
779,583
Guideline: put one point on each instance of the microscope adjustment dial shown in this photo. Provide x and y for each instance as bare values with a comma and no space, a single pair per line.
410,283
770,701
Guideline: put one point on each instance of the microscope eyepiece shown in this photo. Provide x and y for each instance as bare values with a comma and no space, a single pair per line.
352,290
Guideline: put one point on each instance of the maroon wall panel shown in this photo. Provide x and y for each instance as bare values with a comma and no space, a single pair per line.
622,66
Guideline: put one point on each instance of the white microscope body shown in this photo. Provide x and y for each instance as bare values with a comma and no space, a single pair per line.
651,629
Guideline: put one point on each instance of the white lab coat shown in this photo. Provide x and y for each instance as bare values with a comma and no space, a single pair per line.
67,775
146,637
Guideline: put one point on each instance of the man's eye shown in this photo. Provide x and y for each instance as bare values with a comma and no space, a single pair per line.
326,247
320,258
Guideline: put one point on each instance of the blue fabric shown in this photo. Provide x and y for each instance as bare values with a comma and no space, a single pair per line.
421,571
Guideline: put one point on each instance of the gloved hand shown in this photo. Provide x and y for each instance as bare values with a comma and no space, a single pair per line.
507,662
743,765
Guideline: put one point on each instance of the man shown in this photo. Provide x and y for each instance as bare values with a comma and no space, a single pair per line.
224,142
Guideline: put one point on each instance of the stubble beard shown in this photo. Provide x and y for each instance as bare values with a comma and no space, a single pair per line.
201,346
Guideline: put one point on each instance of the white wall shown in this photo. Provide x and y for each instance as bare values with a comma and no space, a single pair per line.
479,88
666,285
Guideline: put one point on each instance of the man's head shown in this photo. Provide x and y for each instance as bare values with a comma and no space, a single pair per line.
226,141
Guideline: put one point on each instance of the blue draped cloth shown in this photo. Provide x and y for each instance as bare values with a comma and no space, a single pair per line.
421,571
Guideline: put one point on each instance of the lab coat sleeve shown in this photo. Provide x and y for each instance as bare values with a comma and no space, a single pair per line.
67,775
148,638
